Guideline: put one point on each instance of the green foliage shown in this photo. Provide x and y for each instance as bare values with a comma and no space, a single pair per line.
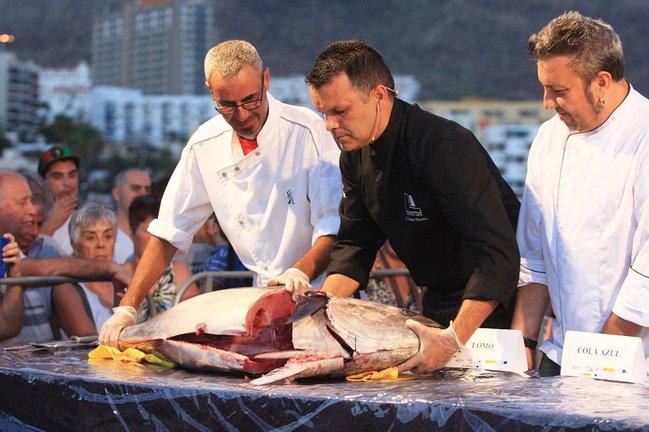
4,143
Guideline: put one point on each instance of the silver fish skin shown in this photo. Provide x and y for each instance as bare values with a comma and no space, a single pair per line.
245,330
349,336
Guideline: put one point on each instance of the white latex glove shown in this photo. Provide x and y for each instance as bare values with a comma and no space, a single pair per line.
436,347
293,280
123,316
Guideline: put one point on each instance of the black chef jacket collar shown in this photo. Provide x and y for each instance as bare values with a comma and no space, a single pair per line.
383,146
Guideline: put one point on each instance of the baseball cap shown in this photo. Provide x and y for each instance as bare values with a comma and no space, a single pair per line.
55,154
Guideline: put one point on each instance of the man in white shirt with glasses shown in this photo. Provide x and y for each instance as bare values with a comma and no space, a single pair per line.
268,170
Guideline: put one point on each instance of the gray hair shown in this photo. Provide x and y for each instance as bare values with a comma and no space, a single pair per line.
41,196
88,214
592,43
227,58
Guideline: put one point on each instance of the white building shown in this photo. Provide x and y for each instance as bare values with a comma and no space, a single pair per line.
126,115
14,160
505,128
18,97
294,90
509,145
157,46
66,92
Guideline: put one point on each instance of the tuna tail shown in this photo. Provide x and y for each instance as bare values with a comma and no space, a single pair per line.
292,371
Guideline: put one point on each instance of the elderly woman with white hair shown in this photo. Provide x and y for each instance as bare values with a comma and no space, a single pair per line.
93,229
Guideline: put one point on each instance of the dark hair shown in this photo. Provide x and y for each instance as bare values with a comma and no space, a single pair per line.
362,64
592,43
141,208
158,187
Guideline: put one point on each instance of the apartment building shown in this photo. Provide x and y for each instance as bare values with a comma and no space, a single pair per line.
18,97
156,46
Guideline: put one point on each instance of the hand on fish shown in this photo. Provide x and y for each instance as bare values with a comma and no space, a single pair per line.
294,280
123,316
436,347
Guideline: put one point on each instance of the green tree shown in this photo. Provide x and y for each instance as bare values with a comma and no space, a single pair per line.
4,143
81,137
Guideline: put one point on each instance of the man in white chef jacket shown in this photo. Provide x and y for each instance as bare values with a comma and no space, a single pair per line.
583,229
269,171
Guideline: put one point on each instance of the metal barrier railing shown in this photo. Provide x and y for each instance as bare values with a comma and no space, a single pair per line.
46,281
40,281
208,278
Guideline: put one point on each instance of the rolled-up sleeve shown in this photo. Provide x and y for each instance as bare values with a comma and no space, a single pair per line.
179,239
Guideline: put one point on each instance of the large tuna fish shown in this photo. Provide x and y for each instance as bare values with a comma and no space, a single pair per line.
245,330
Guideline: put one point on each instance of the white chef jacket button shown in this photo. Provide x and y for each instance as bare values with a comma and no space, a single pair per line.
224,174
257,152
236,168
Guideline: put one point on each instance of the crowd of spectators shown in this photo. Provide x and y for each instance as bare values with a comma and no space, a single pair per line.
50,232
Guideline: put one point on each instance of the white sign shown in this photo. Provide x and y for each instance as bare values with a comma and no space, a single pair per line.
604,356
492,349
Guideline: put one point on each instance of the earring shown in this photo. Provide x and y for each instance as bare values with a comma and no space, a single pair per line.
602,102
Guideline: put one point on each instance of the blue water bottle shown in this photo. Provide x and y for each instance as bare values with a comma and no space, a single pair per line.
3,266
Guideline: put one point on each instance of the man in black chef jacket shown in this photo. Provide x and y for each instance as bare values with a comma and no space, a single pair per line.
429,187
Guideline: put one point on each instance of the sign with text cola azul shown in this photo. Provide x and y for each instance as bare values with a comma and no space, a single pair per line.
603,356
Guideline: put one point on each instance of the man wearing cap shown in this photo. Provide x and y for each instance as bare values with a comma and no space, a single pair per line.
60,169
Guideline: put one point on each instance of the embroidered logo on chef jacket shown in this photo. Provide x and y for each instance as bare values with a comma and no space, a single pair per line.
413,213
289,197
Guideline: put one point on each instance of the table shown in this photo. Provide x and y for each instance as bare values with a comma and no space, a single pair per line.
62,390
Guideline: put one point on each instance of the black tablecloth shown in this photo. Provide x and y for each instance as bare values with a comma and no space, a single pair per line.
62,390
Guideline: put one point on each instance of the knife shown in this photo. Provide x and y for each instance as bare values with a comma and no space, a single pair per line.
311,303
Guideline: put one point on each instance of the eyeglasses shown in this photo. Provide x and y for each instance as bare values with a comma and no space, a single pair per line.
248,106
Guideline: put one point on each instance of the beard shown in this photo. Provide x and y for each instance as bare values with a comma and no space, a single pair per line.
595,107
574,124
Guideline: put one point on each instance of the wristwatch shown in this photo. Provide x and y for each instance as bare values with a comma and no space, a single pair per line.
529,343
